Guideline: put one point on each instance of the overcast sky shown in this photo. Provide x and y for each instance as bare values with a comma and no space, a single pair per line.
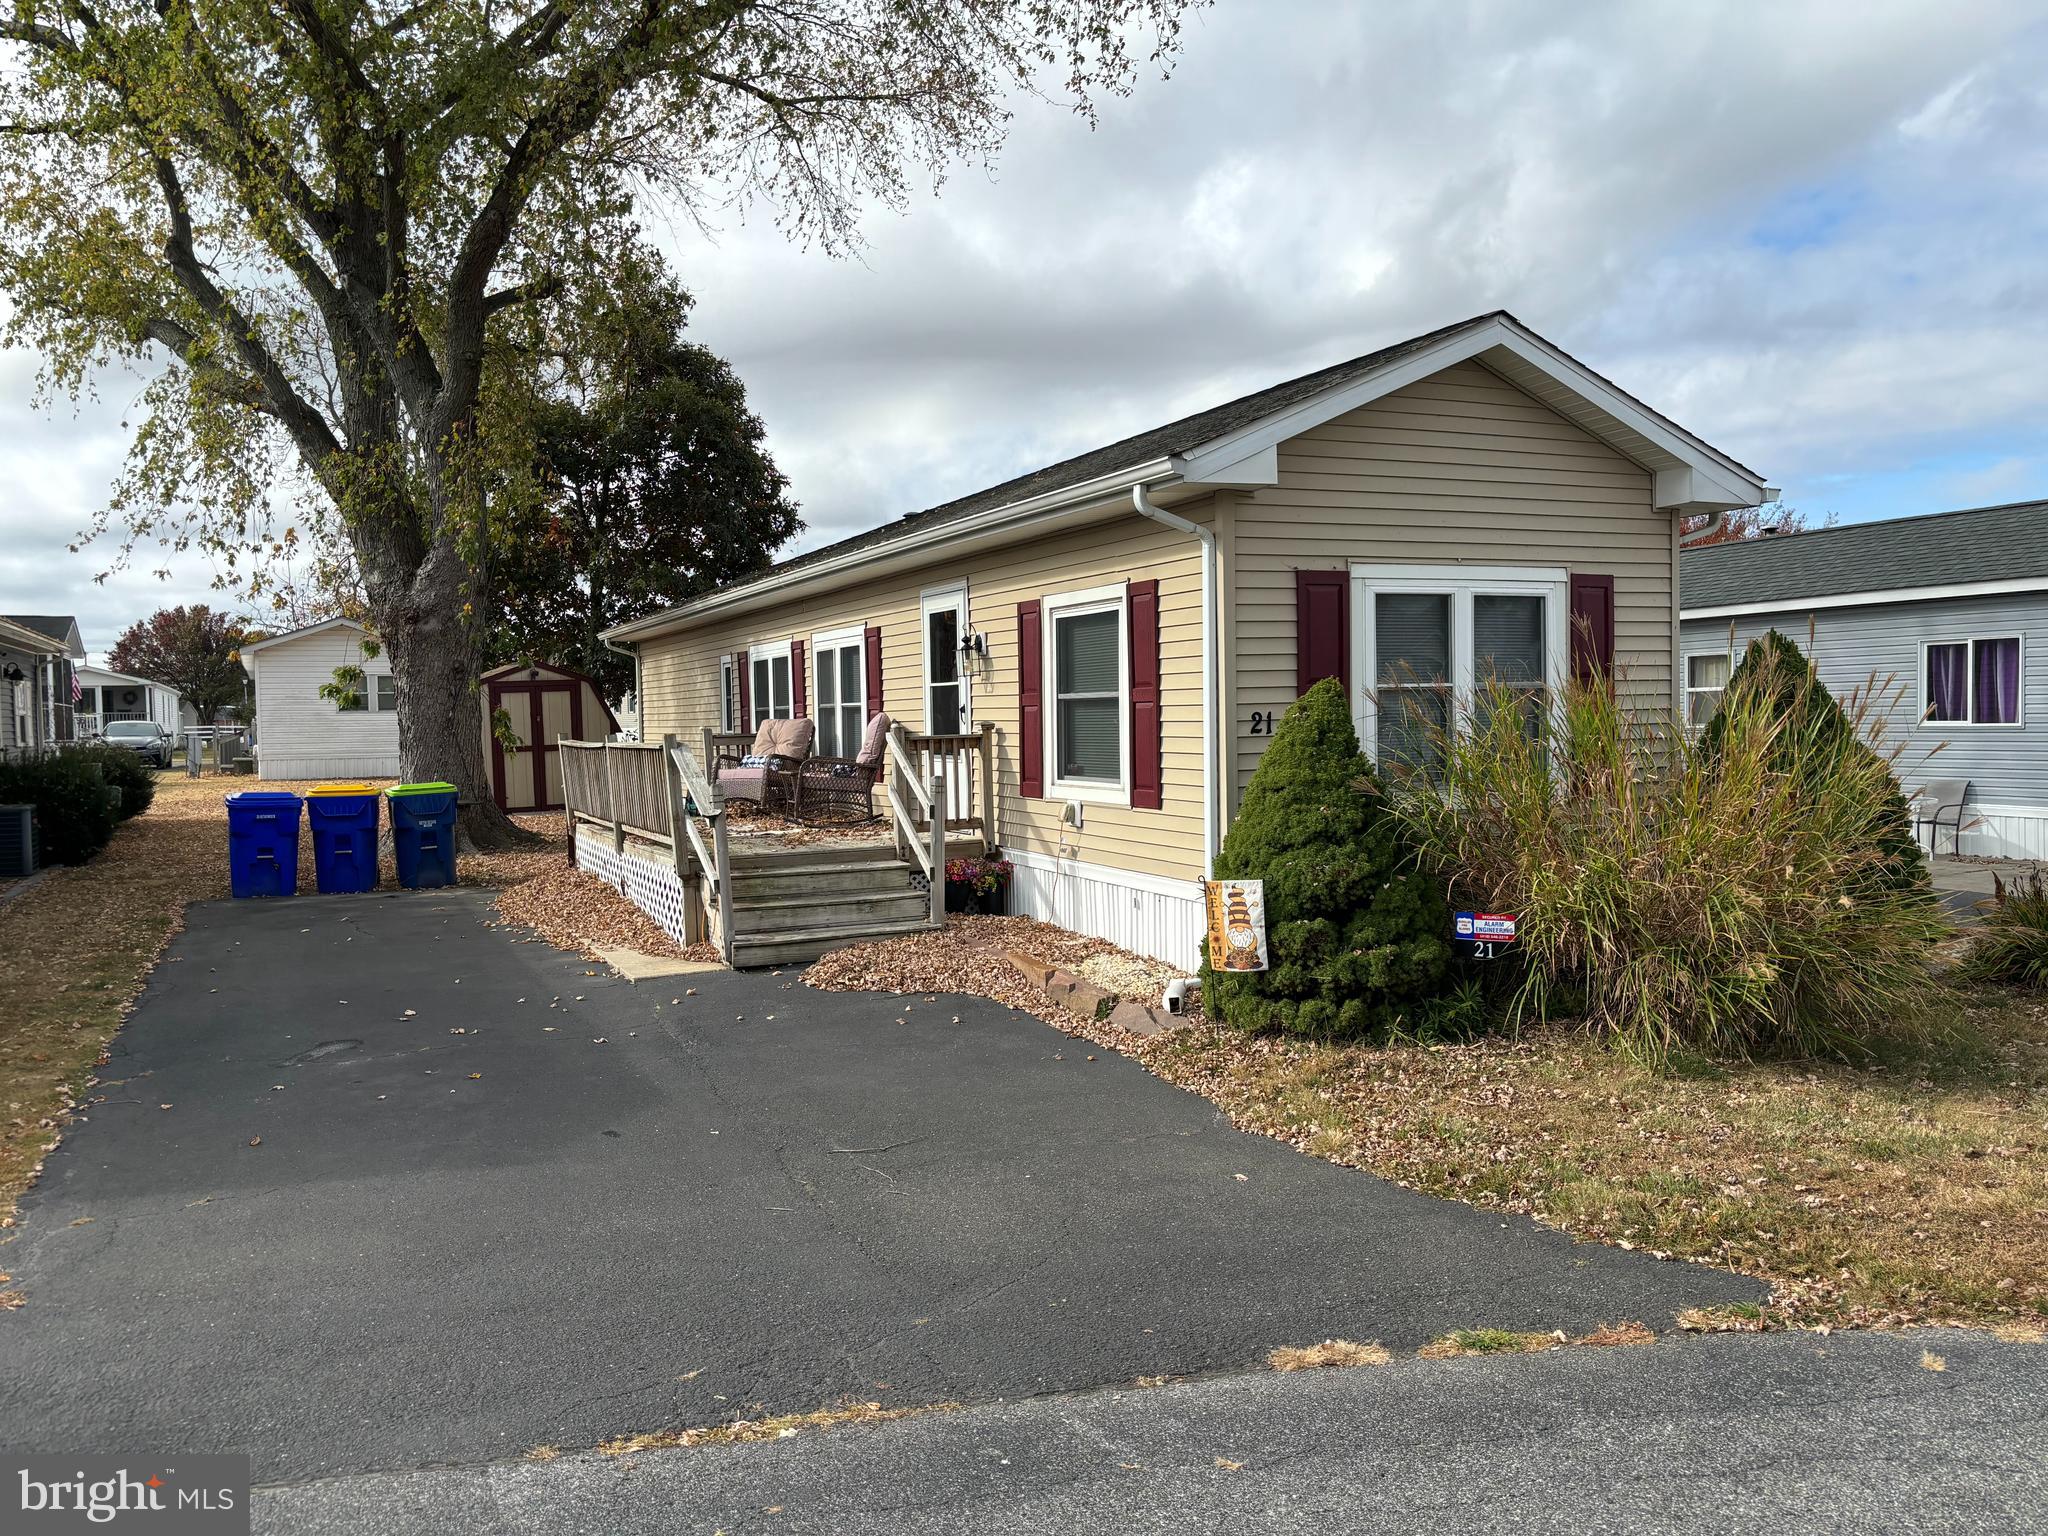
1812,233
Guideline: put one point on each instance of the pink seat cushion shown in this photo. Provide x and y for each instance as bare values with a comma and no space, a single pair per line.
743,783
871,741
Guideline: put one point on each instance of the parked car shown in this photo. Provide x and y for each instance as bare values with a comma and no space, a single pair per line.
144,737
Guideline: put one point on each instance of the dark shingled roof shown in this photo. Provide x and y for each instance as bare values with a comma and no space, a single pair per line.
49,625
1940,549
1175,437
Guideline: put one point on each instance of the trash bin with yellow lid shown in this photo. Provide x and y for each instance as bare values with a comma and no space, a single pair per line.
343,819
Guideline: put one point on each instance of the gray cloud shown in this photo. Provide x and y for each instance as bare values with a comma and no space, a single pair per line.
1811,233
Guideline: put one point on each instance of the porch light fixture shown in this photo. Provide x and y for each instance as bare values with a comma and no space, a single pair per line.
973,645
13,674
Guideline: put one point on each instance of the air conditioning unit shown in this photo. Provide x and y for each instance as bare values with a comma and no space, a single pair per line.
17,840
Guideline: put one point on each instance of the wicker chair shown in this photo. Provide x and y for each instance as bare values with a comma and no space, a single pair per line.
840,791
782,746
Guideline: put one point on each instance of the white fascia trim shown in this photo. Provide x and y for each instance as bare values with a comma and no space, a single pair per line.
1109,874
299,634
1112,490
1871,599
1714,466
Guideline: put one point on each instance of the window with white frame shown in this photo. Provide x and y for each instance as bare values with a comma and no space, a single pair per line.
1972,681
839,665
384,698
728,695
1706,679
945,678
1435,642
769,697
1088,723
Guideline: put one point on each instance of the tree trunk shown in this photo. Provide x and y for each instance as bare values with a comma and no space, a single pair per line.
436,658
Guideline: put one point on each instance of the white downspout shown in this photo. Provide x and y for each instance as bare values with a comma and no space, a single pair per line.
1211,701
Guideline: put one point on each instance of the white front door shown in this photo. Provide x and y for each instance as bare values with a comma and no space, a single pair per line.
947,708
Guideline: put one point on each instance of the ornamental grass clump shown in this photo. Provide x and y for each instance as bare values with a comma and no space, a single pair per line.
1745,898
1357,935
2012,946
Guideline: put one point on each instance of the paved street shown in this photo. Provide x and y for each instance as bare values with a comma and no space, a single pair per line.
428,1195
1787,1433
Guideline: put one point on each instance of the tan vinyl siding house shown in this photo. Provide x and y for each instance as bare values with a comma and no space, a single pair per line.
1429,479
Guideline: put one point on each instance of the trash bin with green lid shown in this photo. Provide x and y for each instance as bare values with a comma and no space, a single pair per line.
423,834
263,843
343,821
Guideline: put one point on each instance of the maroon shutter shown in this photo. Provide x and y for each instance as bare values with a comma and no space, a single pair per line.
1592,626
1148,768
739,661
873,637
799,700
1322,628
1030,701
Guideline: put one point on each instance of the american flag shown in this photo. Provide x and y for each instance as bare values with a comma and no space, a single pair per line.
77,690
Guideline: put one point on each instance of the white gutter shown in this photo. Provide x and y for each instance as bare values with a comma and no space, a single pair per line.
1211,703
1700,536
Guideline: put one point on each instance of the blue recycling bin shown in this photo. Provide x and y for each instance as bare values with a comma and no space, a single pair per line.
263,843
343,821
423,834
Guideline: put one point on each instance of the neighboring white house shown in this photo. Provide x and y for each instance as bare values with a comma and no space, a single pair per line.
302,735
104,695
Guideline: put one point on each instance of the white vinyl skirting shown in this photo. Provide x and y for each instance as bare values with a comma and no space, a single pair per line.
1147,914
2000,832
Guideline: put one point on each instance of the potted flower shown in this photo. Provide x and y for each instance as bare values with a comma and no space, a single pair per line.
978,885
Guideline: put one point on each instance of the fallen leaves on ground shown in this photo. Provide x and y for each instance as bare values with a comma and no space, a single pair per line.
774,1427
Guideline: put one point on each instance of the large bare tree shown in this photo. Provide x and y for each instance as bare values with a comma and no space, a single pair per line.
361,227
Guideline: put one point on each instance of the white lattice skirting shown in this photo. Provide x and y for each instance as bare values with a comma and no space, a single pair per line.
654,888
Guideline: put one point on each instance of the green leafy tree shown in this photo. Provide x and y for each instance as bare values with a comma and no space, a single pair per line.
1814,731
1359,939
192,649
360,228
656,485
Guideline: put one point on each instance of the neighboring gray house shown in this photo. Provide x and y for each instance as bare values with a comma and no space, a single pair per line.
1948,613
40,674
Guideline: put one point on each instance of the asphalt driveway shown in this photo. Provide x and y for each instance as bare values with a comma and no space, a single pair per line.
425,1193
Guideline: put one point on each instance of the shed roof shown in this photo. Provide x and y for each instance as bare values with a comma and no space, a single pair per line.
2006,543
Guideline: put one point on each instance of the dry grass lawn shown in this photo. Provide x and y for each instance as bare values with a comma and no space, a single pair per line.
1906,1192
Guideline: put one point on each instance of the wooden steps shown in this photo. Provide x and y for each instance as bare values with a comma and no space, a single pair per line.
791,905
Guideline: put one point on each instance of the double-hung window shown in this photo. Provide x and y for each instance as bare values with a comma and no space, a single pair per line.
840,699
384,693
1974,681
1438,642
769,697
1706,679
1088,724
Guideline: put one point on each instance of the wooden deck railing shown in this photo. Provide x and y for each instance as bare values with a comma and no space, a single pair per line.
933,786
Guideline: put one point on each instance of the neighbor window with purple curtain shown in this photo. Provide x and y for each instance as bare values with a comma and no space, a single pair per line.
1997,682
1974,682
1948,681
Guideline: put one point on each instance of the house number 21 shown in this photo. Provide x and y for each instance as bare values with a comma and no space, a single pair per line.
1262,722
